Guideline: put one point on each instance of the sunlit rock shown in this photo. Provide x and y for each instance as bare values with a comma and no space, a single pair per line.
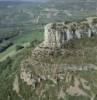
57,34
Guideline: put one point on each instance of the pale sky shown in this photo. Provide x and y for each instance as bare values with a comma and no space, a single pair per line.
23,0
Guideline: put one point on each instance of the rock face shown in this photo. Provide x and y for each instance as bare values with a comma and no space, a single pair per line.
57,34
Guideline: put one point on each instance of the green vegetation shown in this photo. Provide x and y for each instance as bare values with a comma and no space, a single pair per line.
5,45
19,40
20,28
8,69
19,22
34,43
19,47
77,51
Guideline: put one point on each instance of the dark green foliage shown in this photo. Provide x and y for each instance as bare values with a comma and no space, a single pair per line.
81,43
78,98
8,69
5,45
19,47
5,63
94,21
7,36
34,43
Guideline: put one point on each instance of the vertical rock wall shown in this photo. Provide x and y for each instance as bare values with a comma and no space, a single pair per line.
57,34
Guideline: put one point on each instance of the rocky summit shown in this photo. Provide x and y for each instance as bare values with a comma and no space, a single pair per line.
57,34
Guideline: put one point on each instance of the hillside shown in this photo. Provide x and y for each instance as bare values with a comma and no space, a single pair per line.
71,76
62,65
41,72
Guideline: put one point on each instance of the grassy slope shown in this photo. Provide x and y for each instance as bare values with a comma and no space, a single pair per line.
8,69
20,40
29,37
27,92
11,67
83,51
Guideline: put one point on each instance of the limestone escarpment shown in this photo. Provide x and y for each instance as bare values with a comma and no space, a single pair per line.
57,34
63,71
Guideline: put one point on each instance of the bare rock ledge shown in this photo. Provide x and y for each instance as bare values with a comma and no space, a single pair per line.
57,34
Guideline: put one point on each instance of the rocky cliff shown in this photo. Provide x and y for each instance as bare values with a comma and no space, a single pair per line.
57,74
57,34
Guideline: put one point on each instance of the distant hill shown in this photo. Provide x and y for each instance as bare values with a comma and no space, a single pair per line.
74,0
25,0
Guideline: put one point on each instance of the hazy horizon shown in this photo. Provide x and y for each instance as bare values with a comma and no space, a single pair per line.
26,0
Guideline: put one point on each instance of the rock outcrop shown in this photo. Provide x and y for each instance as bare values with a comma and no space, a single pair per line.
57,34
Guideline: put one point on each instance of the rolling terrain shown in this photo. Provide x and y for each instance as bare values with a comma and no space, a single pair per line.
22,22
24,75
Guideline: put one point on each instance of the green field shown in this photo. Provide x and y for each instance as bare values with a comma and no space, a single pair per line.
21,40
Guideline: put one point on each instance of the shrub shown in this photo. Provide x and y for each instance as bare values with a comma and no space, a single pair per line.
19,47
5,45
34,43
